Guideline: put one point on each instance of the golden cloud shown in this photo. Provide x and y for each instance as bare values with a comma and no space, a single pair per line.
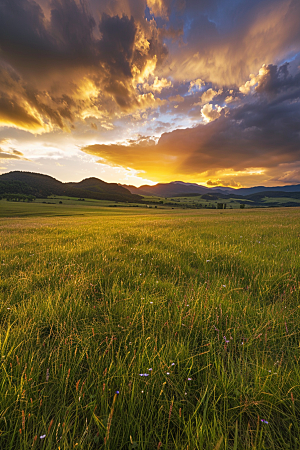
160,8
210,112
11,154
158,85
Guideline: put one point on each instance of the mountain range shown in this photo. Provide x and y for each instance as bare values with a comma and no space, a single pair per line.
43,186
178,188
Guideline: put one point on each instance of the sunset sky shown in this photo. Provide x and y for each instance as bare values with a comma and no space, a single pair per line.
140,92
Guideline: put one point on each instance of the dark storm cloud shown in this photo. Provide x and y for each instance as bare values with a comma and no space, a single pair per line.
275,80
263,133
31,43
226,42
69,64
116,53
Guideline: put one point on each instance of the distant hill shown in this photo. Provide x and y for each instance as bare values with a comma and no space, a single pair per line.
169,189
257,189
43,186
179,188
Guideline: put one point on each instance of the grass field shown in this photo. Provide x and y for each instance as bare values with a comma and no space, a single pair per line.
123,328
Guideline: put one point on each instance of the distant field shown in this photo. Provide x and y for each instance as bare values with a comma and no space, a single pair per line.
68,207
130,328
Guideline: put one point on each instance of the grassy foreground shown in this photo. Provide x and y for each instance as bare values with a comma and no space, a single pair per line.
156,330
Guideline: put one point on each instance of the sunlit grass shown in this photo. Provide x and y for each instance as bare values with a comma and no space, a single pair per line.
154,330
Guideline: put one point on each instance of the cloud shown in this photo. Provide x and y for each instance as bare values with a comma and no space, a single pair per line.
11,154
238,41
158,85
160,8
176,98
62,64
254,138
196,84
225,183
209,95
287,174
210,112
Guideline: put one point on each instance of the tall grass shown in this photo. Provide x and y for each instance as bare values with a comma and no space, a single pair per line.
151,331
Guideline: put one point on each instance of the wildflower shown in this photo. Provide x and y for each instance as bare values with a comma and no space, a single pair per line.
168,373
173,364
43,436
151,303
150,369
264,421
189,379
117,392
208,260
47,375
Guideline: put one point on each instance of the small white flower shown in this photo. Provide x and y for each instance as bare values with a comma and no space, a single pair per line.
43,436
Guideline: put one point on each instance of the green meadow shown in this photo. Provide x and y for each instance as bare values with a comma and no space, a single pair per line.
130,328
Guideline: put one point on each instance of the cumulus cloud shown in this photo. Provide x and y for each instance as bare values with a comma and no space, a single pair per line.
196,84
210,94
210,112
158,85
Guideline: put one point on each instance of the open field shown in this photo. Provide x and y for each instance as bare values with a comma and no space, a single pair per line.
70,207
128,328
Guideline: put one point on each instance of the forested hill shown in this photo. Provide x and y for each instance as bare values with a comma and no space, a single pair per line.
43,186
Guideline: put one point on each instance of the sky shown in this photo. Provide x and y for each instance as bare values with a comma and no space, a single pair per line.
146,91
